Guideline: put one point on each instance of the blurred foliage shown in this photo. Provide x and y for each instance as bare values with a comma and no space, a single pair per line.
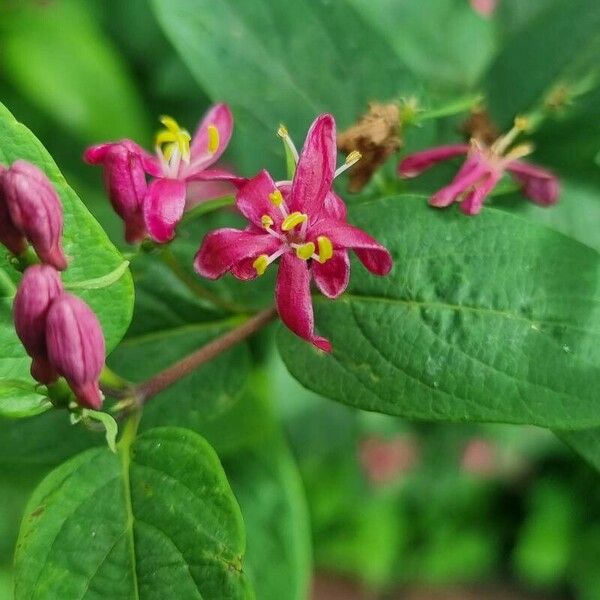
518,505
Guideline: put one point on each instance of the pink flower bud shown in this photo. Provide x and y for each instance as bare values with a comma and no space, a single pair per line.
10,236
76,347
125,182
40,286
36,211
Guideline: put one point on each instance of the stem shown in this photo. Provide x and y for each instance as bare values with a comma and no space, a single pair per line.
150,388
194,286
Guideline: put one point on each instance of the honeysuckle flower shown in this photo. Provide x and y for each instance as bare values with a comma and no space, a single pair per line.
182,173
10,236
35,210
76,347
482,169
39,288
303,224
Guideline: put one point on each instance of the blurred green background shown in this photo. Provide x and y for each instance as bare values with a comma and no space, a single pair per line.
491,511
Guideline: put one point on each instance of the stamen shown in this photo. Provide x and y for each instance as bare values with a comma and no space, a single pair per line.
172,137
266,221
213,139
305,251
518,152
325,248
503,142
292,220
282,132
276,198
261,264
351,159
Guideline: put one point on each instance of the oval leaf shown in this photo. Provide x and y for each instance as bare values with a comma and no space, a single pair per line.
489,318
158,520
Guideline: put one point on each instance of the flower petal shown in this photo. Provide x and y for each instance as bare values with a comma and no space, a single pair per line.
253,199
473,201
315,169
538,184
218,116
97,154
334,207
164,204
415,164
223,249
294,303
332,276
375,257
472,171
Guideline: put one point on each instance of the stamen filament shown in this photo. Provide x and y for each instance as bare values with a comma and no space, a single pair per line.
261,262
351,159
503,142
282,132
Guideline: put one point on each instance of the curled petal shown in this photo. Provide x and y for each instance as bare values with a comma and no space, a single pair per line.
97,154
375,257
315,169
538,184
163,208
332,276
473,201
294,303
210,184
470,174
416,163
253,199
208,146
223,249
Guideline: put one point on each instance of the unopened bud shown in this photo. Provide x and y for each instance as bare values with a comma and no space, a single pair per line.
36,211
40,286
10,236
76,347
125,183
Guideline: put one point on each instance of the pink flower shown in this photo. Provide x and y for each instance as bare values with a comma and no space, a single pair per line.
180,160
40,286
10,236
35,211
484,7
384,461
76,347
479,458
303,224
482,170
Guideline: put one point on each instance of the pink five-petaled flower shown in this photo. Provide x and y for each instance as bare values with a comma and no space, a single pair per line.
302,223
181,172
482,170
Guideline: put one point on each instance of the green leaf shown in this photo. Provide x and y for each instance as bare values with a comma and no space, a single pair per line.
489,318
91,255
267,485
558,45
280,62
20,399
158,520
64,83
586,442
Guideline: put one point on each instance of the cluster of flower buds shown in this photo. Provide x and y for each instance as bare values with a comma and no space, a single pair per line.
181,174
30,211
60,333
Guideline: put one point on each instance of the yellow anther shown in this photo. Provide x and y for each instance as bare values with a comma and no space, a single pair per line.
213,139
173,137
276,198
325,248
519,151
266,221
292,220
521,123
282,132
353,157
261,264
305,251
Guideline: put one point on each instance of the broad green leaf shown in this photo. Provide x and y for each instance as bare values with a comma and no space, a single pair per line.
169,323
585,442
91,255
20,399
82,82
282,62
559,45
158,520
267,485
489,318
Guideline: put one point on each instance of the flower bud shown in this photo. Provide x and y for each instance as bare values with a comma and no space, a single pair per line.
36,211
125,182
10,236
40,286
76,347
